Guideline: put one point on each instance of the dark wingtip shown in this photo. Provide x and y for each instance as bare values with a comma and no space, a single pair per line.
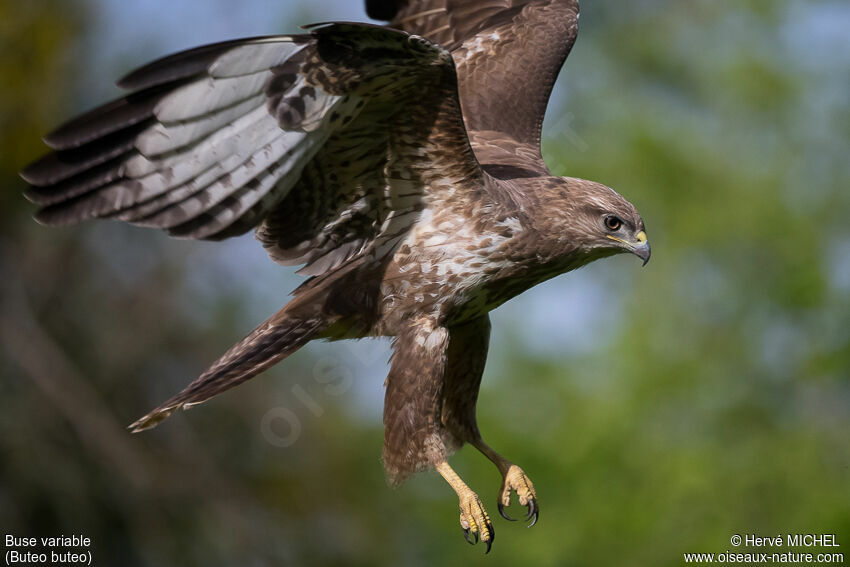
54,216
37,218
33,195
180,65
30,173
382,9
66,136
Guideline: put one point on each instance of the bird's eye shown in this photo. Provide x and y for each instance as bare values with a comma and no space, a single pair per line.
613,223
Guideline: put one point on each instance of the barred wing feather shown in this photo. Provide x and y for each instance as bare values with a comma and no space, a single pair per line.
293,134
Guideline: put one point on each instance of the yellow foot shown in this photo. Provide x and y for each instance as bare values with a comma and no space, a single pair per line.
474,520
516,480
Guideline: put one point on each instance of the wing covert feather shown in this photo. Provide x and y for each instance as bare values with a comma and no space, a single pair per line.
306,137
508,54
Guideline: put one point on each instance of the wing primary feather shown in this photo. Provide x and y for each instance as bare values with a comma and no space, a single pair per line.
206,95
137,213
90,180
230,179
107,119
125,194
184,163
224,214
217,138
180,65
162,138
59,166
155,211
255,57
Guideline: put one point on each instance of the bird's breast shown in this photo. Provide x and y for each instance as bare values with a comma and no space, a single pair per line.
448,267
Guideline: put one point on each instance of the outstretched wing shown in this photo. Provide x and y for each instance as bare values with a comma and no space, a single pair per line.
508,54
316,138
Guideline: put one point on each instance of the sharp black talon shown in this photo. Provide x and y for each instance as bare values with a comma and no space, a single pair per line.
466,537
490,541
503,514
475,536
533,512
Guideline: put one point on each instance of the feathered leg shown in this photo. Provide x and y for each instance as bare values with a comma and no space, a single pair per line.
466,357
416,438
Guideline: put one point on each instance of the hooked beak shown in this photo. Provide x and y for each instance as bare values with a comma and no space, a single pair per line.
639,248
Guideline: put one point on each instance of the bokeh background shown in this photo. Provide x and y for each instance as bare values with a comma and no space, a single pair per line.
658,410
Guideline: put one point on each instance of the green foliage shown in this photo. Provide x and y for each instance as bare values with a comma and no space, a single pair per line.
36,67
717,402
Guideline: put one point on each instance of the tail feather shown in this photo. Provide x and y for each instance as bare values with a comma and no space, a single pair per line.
268,344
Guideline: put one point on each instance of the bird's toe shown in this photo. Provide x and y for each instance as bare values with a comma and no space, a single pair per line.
474,521
517,481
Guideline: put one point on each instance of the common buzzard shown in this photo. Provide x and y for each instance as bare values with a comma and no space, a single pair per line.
402,169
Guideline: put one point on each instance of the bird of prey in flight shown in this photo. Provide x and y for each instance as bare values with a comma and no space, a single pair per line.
399,165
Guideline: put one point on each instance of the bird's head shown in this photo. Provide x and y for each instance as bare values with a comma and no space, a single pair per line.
602,222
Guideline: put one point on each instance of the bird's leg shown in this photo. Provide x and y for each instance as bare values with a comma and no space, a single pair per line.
473,517
513,478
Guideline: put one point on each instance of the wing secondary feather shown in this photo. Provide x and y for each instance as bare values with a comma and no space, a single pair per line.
311,138
508,54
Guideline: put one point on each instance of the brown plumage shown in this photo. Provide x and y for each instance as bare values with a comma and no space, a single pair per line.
404,176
